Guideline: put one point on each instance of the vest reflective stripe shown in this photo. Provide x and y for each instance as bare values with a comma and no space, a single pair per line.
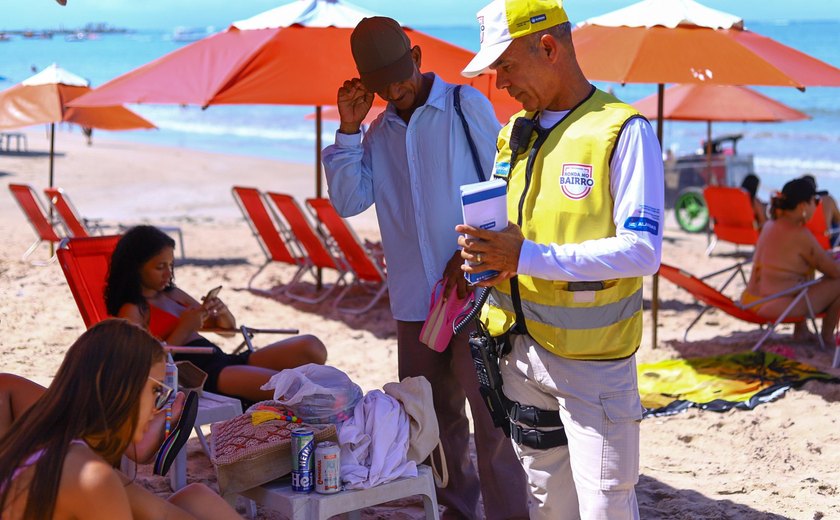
573,318
571,174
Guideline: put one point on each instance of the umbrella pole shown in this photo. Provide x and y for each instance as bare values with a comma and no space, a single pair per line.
709,174
319,282
52,157
654,300
52,154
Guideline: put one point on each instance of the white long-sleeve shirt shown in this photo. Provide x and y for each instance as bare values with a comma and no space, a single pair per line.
638,188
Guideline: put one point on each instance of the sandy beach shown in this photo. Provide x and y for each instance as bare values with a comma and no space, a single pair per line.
777,461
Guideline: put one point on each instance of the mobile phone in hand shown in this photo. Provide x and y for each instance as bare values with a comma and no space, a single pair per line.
212,293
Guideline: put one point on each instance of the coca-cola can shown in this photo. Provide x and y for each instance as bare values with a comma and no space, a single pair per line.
327,468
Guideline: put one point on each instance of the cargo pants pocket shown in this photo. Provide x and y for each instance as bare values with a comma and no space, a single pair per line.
620,451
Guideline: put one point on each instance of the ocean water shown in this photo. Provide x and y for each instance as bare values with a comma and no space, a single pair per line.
781,151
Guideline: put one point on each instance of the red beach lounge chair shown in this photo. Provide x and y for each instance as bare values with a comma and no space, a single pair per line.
818,227
318,255
715,298
365,269
28,201
78,226
274,242
730,216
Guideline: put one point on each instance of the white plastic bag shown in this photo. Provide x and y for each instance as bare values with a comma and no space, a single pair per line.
317,394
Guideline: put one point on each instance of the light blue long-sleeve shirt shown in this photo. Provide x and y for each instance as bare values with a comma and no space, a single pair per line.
412,172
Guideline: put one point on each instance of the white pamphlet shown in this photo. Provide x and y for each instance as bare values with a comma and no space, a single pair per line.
484,205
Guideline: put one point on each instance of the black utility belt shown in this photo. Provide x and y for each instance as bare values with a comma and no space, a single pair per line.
486,352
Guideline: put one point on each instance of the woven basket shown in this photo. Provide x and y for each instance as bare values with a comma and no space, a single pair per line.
246,456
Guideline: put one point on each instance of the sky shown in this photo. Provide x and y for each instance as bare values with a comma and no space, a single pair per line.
167,14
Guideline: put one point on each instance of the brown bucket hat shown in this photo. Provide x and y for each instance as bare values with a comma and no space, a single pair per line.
382,52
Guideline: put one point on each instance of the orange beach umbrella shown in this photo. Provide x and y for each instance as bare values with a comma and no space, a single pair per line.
702,102
683,41
297,54
43,98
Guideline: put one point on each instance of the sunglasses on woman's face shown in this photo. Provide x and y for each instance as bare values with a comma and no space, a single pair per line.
162,394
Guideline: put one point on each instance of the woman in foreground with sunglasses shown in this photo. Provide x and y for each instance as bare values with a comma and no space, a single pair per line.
58,459
786,255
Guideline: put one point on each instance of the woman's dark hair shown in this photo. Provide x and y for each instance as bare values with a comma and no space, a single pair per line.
95,396
139,245
793,194
750,183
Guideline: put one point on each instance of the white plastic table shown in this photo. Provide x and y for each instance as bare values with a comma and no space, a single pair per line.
278,496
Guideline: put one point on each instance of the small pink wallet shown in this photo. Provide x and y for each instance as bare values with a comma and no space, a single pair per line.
437,331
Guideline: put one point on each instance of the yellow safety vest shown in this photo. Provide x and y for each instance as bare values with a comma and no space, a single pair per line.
568,200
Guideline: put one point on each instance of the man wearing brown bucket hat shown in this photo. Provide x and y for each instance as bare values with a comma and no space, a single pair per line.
411,163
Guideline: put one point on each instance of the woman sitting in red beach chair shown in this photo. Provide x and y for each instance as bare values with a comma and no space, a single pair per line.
750,184
786,255
57,459
141,289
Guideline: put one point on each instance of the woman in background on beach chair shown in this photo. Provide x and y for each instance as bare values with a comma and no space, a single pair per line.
57,460
141,289
787,254
830,211
759,207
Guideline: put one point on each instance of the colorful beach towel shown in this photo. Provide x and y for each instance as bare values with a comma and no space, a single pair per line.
718,383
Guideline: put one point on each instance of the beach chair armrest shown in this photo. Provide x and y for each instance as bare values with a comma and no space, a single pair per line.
176,349
799,290
249,332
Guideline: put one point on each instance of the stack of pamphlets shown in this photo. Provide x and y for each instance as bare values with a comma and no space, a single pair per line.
484,205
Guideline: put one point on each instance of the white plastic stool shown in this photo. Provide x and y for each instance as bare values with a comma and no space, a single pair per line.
278,496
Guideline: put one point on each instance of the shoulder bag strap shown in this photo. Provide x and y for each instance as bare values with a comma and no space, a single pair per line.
473,150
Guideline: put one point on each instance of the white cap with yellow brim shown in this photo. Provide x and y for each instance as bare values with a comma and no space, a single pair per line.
502,21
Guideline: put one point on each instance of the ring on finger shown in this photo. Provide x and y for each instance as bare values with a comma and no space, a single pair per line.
478,258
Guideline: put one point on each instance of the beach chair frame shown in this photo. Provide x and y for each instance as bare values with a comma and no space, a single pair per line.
78,226
714,298
360,261
319,255
37,216
731,216
276,242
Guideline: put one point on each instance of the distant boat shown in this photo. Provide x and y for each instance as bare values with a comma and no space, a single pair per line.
80,36
191,34
5,37
43,35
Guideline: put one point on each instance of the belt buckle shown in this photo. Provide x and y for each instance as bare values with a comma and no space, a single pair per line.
515,433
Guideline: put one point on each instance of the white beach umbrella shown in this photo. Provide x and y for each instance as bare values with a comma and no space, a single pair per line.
667,13
55,75
311,13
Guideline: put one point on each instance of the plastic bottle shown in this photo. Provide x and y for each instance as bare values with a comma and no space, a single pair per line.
170,379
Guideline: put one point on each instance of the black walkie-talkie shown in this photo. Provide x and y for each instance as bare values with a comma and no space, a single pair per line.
520,136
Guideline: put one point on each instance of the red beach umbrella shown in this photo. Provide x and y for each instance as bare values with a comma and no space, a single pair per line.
43,98
296,54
